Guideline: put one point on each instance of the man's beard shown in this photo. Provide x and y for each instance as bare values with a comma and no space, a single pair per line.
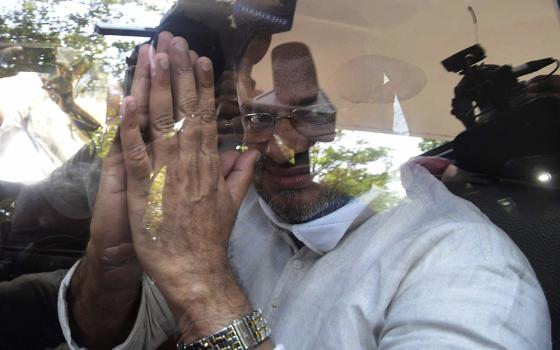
297,206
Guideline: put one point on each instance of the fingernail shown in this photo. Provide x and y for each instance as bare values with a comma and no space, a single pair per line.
111,252
206,65
127,117
181,46
164,63
130,105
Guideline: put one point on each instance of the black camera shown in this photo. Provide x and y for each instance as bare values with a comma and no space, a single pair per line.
509,133
220,30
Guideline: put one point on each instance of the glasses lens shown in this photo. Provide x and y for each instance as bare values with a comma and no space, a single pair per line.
258,122
230,132
316,120
316,115
257,127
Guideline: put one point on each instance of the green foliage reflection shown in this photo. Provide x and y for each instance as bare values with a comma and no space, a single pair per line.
348,168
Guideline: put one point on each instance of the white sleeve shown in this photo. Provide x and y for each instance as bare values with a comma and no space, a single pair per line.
154,323
474,289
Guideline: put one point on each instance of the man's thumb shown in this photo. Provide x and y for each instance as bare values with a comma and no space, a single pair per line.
241,175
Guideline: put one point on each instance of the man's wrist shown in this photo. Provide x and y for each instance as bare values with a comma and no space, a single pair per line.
208,314
205,304
188,282
100,314
240,334
93,282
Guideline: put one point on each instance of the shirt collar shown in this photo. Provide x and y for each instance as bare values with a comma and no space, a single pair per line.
323,234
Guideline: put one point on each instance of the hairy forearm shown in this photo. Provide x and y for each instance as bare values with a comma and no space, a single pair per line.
207,301
103,302
212,308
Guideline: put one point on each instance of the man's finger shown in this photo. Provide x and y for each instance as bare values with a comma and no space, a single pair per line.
227,161
164,40
193,56
161,99
111,199
241,175
140,88
161,109
206,106
435,165
136,160
185,100
185,96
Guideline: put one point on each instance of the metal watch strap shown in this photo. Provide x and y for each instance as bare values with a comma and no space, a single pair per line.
241,334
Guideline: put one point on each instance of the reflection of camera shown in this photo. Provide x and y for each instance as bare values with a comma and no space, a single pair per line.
490,90
222,30
274,16
505,127
511,151
216,29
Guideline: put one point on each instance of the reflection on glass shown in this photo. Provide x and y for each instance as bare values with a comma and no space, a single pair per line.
309,167
107,138
544,177
316,122
154,209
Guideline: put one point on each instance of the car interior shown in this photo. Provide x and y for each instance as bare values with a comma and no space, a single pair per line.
403,79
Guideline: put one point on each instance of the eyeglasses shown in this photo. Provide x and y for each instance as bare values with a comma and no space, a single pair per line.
316,122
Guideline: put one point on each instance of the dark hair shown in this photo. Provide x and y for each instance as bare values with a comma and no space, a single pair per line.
224,48
219,30
202,39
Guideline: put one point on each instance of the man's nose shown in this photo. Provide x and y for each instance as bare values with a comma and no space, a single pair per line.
286,142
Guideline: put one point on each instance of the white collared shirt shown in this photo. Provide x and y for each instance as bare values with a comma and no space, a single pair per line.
431,273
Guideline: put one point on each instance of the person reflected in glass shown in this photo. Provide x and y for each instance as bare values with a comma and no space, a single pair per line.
319,267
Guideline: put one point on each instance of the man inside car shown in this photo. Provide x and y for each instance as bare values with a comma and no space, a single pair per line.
315,267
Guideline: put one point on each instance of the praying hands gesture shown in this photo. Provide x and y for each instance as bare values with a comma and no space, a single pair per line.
182,201
167,204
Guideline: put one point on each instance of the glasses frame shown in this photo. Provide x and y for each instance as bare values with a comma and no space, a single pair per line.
290,116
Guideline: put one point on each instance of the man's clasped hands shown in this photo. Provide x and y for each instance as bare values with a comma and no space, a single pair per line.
185,252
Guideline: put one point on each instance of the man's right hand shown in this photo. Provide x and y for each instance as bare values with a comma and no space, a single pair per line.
105,289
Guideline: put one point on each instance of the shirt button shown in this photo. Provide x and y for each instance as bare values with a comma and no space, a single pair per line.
297,264
275,302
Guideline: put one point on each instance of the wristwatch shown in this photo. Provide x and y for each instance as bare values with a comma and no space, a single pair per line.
241,334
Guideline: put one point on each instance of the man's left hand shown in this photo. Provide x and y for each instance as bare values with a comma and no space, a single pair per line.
181,216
